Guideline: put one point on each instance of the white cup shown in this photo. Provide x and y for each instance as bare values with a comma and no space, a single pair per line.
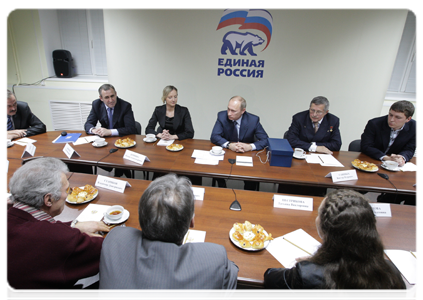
299,152
100,142
115,212
390,164
150,137
217,149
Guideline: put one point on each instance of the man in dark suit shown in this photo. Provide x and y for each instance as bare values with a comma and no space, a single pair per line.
315,130
391,137
114,114
238,130
156,257
20,120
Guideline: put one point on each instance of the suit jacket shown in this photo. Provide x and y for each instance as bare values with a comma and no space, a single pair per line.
130,261
123,117
250,131
376,135
44,255
25,119
305,275
301,132
182,125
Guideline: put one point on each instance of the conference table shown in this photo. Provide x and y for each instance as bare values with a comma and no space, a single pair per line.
214,216
300,173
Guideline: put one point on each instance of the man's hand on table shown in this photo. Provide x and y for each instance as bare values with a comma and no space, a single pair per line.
102,131
91,227
323,149
17,133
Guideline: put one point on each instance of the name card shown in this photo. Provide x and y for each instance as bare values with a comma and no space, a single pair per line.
113,184
381,209
343,175
29,150
135,157
198,193
69,151
292,202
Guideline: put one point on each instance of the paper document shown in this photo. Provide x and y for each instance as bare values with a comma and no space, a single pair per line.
24,141
93,212
198,193
406,263
408,167
194,236
85,140
202,161
291,246
244,161
165,143
202,154
326,160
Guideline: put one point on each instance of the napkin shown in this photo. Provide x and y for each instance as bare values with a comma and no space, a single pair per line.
409,167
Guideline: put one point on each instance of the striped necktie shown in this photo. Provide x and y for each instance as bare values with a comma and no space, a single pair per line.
9,123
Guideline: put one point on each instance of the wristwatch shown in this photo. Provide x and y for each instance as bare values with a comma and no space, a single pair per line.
74,223
227,145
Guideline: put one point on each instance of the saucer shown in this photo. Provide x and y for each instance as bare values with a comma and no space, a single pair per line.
99,146
124,217
299,157
152,141
221,153
10,144
392,170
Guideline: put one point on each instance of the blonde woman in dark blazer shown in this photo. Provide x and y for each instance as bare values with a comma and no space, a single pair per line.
174,120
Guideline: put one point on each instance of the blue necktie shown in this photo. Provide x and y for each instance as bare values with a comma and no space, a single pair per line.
9,123
234,135
110,115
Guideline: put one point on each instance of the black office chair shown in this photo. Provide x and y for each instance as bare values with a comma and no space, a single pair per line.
138,127
145,173
355,146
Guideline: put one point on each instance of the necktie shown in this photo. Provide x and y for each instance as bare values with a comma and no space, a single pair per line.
110,115
9,123
234,135
316,127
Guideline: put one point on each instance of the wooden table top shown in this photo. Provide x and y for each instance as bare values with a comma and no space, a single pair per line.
161,160
214,216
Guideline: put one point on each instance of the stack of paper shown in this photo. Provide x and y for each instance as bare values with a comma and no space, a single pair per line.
291,246
406,263
86,140
93,212
205,158
326,160
246,161
194,236
198,193
165,143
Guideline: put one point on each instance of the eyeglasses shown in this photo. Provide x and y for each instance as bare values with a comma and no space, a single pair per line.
69,191
317,112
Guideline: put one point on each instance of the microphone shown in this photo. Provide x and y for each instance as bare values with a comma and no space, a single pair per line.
384,176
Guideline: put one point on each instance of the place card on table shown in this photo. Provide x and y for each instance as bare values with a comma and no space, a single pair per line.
381,209
69,151
194,236
292,245
292,202
165,143
28,151
198,193
246,161
113,184
406,263
24,141
343,175
135,157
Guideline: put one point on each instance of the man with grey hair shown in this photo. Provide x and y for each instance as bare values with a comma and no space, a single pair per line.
156,257
21,121
315,129
43,253
114,114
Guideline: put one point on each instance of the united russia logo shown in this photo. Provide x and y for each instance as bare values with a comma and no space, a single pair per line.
243,42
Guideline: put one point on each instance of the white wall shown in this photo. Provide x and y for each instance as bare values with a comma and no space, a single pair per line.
345,55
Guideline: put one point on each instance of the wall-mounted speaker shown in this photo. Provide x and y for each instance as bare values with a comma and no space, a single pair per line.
63,63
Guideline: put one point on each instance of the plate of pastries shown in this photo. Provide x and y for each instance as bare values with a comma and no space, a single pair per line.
364,165
249,237
125,143
82,194
174,147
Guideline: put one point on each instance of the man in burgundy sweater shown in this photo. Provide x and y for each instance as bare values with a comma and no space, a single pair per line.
43,253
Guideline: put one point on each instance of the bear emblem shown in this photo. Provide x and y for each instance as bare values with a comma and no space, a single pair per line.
243,41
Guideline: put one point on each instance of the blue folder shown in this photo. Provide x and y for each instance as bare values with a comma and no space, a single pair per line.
69,138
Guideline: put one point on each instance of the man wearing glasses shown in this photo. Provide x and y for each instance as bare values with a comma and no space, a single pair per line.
315,130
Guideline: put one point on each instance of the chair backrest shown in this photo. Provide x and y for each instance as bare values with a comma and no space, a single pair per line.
355,146
138,127
285,134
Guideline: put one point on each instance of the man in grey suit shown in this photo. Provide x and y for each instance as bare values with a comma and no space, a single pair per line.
156,258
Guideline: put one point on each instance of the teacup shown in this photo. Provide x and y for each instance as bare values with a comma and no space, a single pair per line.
299,152
115,212
100,142
217,149
150,137
390,164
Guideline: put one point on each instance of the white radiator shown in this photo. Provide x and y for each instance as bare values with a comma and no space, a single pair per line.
69,115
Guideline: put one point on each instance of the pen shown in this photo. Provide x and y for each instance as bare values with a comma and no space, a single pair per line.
413,254
297,246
